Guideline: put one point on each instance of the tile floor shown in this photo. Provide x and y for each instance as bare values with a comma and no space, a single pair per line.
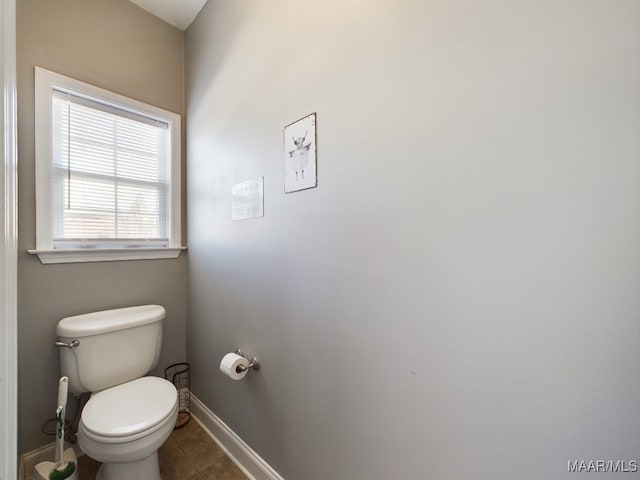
189,454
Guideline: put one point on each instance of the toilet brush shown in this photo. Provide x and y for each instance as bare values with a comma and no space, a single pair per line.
64,468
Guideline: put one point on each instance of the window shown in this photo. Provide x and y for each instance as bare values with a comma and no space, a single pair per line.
107,175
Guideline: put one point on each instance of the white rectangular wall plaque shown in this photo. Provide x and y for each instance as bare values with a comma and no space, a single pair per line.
247,199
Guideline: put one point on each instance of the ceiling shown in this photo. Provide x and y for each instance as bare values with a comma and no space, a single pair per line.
179,13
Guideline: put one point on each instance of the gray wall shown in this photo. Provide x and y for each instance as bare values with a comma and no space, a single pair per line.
458,299
118,46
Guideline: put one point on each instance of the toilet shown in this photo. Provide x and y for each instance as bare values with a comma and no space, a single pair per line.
129,415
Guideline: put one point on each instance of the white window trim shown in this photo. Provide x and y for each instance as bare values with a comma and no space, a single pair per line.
45,82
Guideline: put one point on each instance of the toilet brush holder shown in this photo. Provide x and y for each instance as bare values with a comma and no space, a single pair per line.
45,470
66,465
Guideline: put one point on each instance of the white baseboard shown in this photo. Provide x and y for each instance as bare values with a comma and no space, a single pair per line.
34,457
242,455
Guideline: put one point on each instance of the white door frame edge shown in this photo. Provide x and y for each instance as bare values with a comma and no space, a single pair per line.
8,248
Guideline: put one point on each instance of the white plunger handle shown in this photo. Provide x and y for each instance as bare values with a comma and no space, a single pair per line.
63,389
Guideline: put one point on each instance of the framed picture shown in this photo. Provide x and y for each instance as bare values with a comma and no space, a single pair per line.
247,199
300,154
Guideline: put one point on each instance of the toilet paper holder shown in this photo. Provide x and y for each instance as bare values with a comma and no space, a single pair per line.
253,363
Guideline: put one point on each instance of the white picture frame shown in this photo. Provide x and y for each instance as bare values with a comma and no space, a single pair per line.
247,199
300,170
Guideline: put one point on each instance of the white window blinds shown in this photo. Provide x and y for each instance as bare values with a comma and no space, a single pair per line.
110,175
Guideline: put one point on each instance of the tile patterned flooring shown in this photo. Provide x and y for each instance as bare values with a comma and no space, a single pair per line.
189,454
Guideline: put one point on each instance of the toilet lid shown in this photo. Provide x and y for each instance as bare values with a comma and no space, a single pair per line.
129,408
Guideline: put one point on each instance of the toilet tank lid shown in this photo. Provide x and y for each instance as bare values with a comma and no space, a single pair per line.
109,320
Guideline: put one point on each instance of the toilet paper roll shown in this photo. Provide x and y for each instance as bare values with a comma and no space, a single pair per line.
229,366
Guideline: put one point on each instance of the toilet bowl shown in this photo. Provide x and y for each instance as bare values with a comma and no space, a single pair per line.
129,415
125,425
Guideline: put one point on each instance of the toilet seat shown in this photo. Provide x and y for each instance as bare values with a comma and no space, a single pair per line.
129,411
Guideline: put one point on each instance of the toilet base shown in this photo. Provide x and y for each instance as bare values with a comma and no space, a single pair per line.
145,469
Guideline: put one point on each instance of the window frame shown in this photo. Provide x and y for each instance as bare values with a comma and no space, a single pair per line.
47,81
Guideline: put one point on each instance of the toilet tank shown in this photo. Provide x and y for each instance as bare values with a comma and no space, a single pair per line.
114,346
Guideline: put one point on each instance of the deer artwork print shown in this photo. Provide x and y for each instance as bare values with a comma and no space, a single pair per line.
299,155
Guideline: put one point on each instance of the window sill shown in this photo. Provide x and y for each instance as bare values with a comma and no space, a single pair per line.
83,255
